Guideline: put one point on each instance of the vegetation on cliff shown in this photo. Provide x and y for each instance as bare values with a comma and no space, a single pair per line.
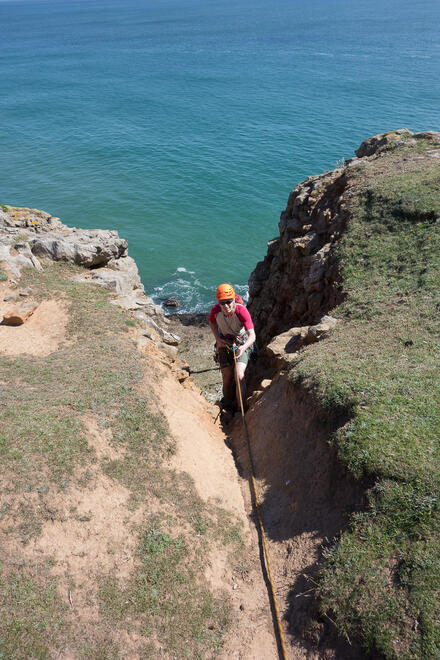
381,582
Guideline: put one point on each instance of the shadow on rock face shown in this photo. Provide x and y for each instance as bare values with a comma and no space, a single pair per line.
198,320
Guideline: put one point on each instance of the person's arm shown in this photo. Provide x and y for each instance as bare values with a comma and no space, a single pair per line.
214,327
249,341
218,340
246,320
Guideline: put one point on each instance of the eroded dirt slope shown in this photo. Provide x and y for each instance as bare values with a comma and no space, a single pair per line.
202,452
89,530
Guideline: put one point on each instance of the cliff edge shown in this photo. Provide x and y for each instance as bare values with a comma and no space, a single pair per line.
346,305
299,279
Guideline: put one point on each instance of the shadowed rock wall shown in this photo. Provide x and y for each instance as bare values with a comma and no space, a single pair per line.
298,282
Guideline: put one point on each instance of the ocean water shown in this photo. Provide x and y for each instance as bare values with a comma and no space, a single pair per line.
184,124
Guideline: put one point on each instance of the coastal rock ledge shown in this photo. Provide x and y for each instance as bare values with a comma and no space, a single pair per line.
29,237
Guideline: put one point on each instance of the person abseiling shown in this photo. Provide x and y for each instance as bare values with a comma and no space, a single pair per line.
231,324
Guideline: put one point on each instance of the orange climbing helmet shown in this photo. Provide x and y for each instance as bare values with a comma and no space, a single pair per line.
225,292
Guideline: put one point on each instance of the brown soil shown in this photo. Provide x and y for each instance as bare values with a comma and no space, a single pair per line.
305,499
203,454
41,333
89,532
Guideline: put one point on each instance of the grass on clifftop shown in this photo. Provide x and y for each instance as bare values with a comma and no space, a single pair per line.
165,603
381,583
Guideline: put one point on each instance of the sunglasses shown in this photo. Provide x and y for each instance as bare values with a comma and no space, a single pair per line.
225,302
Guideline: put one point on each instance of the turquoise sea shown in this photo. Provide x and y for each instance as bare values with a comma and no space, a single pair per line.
184,124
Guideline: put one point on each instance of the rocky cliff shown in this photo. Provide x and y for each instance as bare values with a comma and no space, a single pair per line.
30,237
299,282
351,426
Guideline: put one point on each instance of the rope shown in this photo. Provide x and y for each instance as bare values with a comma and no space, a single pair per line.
279,630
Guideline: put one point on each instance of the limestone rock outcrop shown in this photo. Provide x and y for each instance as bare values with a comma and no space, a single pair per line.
28,237
298,282
80,246
48,238
372,145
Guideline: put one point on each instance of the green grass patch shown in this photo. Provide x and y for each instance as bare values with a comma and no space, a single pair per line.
102,649
378,373
31,613
168,597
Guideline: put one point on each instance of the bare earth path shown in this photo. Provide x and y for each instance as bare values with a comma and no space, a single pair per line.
203,454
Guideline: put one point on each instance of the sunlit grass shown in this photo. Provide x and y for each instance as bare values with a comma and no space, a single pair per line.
380,371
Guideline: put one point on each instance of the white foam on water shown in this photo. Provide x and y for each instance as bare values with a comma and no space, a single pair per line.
193,295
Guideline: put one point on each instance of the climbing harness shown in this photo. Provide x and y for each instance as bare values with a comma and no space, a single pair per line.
223,355
280,634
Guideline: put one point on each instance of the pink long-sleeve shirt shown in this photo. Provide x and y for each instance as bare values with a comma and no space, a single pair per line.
231,326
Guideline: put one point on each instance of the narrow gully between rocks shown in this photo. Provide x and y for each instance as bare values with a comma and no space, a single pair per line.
306,495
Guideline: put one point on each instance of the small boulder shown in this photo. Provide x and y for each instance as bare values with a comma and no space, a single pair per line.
283,349
25,292
170,338
251,401
148,334
287,342
170,351
321,330
20,314
171,302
